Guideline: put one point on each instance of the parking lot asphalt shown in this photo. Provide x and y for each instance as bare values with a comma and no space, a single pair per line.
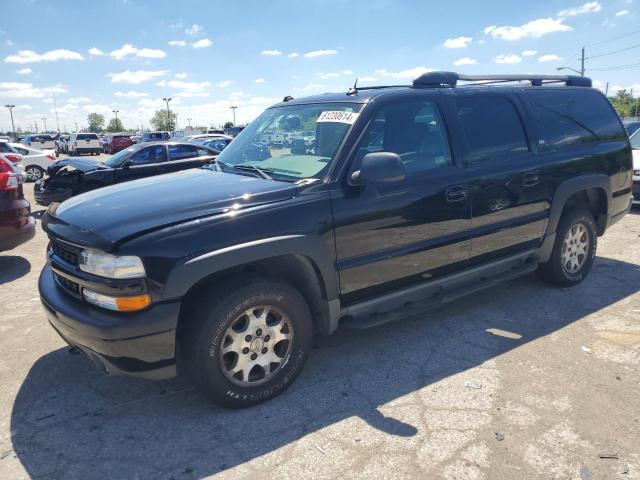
520,381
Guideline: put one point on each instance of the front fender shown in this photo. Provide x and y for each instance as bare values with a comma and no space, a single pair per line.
189,272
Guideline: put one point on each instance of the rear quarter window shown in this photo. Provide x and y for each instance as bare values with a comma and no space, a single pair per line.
573,117
87,136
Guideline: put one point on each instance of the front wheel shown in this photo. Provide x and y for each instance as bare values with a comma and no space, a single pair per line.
574,250
246,342
33,173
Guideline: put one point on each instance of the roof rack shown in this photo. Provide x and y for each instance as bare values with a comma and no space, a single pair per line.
451,79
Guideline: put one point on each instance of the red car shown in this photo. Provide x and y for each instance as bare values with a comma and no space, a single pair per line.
16,223
116,142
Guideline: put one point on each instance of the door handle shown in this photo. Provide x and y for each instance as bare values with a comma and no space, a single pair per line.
457,193
531,179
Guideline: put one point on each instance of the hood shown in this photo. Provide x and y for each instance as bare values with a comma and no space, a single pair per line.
82,164
104,217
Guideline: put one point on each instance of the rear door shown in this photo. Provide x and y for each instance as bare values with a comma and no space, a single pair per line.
182,157
503,173
145,162
392,235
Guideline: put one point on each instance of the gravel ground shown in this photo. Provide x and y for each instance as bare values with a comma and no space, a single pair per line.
519,381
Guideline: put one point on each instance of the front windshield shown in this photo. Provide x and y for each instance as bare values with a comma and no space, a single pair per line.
635,140
117,158
292,142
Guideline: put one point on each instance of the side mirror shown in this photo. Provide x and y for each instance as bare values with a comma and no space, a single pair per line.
379,167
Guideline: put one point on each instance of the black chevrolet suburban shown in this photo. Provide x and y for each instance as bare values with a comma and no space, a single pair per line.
408,197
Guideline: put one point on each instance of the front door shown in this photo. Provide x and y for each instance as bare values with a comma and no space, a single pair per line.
392,235
182,157
144,163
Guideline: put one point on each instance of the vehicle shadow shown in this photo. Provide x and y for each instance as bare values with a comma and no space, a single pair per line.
70,421
13,267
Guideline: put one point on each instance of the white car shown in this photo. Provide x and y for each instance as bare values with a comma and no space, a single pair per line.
11,155
43,141
635,188
34,161
80,143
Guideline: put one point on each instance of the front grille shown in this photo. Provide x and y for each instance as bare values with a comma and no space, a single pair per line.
72,287
65,252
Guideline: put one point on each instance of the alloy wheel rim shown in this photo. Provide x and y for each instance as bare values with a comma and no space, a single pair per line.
33,174
575,248
256,345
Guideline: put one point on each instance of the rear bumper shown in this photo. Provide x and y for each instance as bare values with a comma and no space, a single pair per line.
11,235
139,344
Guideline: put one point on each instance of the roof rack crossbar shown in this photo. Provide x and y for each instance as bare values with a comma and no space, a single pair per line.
451,79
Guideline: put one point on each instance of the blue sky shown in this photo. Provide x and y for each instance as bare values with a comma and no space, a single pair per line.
208,55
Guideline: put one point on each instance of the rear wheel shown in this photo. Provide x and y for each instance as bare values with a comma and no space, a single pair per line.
247,342
34,173
574,250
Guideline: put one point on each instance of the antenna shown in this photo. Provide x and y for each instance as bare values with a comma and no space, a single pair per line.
353,90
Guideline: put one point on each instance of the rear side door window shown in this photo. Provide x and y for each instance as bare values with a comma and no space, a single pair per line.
146,156
492,127
572,117
182,152
413,130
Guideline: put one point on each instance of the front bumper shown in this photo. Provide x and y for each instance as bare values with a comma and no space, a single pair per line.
140,344
45,195
635,191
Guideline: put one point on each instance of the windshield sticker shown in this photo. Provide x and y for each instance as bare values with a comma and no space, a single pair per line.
340,117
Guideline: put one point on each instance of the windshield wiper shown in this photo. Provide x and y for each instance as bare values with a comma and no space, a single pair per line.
253,168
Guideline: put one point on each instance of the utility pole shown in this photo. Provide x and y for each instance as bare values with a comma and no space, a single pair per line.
11,107
189,122
44,121
76,123
55,109
606,90
35,122
582,63
630,100
233,109
167,100
115,112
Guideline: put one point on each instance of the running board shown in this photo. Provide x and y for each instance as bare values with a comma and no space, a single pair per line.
418,299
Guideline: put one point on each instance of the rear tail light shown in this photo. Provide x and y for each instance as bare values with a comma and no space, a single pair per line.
51,156
14,157
9,179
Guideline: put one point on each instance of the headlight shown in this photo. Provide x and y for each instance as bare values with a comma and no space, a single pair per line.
111,266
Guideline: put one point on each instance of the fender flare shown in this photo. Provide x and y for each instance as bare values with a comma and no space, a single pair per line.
562,194
189,272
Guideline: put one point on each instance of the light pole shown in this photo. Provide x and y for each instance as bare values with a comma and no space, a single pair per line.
189,122
569,68
44,121
11,107
76,123
233,109
167,100
115,112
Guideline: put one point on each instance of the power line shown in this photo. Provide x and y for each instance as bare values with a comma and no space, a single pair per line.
616,67
614,51
614,38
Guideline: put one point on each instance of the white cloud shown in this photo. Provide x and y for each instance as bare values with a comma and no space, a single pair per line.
176,25
224,83
188,94
125,50
347,72
535,29
24,71
131,94
622,13
589,7
178,43
29,56
510,58
136,77
549,58
259,80
96,52
194,30
293,55
458,42
465,61
77,100
180,75
186,86
151,53
27,90
9,43
271,53
326,76
529,53
202,43
320,53
405,74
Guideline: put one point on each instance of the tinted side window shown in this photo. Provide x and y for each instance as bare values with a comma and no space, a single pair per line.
492,126
180,152
570,117
5,148
414,131
147,155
